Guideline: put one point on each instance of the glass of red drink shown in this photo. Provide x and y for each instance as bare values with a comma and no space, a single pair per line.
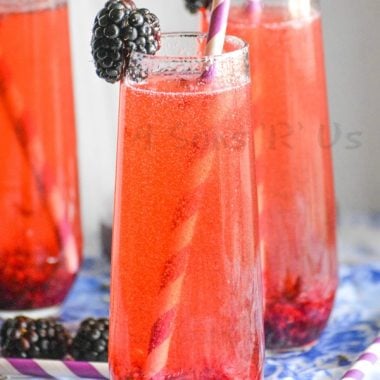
40,240
294,165
186,295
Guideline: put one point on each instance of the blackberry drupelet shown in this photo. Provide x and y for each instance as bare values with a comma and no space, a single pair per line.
195,5
22,337
143,32
91,341
119,29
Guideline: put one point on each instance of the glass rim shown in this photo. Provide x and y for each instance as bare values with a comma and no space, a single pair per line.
18,6
240,50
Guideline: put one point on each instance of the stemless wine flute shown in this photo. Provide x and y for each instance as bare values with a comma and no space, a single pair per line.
186,284
40,241
293,161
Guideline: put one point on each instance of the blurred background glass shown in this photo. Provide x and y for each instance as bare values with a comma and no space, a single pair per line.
40,245
351,28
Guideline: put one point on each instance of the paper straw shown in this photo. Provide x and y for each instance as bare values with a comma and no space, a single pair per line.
53,369
254,10
33,150
364,364
253,5
184,226
218,27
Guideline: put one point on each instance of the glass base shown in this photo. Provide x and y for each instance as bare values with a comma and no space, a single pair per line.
34,313
290,350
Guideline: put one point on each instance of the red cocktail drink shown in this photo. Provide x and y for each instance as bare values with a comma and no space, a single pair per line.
294,171
40,243
185,264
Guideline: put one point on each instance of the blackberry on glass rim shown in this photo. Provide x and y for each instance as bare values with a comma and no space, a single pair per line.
119,29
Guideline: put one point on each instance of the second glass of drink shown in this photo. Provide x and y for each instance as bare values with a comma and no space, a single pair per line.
294,165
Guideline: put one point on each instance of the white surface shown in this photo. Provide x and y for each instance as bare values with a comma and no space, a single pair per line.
353,63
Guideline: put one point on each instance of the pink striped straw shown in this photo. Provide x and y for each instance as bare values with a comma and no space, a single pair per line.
218,26
53,369
253,5
254,10
184,226
364,364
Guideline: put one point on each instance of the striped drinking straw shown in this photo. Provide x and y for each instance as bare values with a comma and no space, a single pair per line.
184,225
218,27
53,369
253,5
365,362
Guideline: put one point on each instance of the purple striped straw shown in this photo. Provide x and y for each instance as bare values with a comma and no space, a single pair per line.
218,26
253,5
216,34
364,363
170,295
53,369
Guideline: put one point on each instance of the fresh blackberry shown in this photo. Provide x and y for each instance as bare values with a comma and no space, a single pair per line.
107,45
91,341
22,337
195,5
119,29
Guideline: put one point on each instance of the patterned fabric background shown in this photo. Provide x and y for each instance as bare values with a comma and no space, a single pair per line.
353,326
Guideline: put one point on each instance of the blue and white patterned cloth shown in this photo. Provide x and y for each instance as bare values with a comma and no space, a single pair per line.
355,322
